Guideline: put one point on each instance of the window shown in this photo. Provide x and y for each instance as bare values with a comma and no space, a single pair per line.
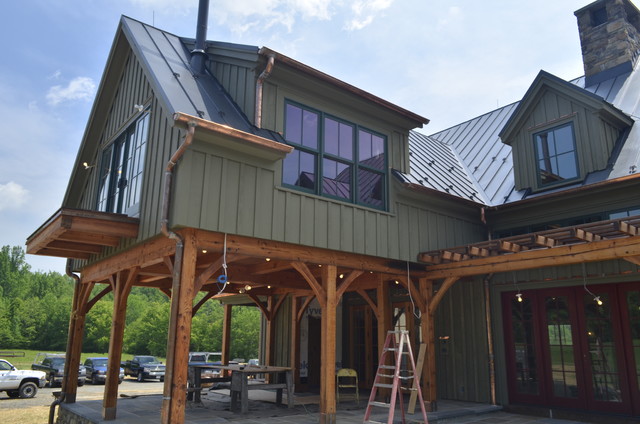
334,158
121,167
556,155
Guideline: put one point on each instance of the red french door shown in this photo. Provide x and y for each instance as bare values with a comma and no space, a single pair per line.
566,349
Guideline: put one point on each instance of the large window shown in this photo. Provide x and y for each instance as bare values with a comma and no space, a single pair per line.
334,158
556,155
121,167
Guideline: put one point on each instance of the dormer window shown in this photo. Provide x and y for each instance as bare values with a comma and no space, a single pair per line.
556,155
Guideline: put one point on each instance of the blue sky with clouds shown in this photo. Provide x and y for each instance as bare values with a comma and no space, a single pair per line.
447,60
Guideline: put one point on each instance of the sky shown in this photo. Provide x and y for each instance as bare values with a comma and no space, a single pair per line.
446,60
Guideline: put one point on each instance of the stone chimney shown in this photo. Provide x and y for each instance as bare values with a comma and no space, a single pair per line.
610,38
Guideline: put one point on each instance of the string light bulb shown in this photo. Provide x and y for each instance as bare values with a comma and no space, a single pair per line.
519,296
596,298
341,275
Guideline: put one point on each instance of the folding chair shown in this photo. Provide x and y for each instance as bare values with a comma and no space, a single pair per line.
345,380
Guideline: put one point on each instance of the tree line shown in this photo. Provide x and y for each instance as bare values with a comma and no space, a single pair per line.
35,309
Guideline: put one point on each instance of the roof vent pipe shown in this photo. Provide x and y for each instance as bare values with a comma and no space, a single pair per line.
198,55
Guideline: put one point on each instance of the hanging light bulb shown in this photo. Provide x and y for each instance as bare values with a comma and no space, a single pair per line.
519,296
584,284
341,276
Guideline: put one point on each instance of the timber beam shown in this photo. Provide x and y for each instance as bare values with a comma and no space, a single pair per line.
608,249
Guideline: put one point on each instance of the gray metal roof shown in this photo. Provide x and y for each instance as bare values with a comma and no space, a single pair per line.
167,59
484,165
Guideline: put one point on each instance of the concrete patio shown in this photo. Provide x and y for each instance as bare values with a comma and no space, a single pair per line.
215,408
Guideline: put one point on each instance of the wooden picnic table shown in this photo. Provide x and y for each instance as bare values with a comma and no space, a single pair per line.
240,385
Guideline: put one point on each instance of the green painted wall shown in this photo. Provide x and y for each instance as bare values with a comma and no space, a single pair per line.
462,356
225,191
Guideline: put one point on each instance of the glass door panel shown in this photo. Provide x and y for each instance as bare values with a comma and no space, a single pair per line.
524,347
632,300
602,358
561,353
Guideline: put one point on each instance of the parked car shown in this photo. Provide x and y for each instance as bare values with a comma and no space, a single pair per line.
144,367
97,370
52,364
20,383
206,358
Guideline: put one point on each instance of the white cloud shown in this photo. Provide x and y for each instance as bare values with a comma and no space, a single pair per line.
365,11
12,195
80,88
56,75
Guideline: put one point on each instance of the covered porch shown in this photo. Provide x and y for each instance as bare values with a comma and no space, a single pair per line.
270,273
266,273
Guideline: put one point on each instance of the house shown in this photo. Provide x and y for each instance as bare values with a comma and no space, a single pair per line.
509,244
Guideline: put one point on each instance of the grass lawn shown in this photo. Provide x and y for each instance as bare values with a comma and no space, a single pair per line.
30,415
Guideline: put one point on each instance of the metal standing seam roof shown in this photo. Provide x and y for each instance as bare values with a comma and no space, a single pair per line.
484,165
167,59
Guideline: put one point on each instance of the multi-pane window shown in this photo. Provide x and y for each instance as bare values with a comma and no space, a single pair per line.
334,158
556,155
121,167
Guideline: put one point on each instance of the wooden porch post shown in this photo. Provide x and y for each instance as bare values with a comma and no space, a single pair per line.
74,341
328,348
384,322
429,385
175,385
271,334
121,285
226,333
294,348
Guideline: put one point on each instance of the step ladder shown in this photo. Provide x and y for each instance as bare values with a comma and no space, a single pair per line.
398,344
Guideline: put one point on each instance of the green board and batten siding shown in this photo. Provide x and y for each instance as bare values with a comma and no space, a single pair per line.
134,88
223,191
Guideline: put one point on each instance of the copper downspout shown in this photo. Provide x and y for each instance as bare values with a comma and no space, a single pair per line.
164,227
260,87
61,395
492,363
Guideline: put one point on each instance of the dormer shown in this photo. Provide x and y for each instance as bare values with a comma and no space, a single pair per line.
560,133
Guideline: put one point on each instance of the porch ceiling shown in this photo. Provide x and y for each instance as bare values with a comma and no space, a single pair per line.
78,234
596,241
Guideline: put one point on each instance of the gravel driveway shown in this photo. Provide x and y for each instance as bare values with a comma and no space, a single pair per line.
86,392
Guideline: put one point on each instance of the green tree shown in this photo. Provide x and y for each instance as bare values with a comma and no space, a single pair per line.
98,326
245,332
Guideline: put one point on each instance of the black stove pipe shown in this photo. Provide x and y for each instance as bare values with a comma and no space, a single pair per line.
198,55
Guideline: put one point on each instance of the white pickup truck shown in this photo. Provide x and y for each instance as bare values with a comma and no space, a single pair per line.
20,383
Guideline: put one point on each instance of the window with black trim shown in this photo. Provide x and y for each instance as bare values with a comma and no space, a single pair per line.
556,155
334,158
121,166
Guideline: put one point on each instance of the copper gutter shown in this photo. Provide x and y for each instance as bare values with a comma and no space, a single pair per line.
260,87
492,363
60,396
177,261
563,193
345,86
